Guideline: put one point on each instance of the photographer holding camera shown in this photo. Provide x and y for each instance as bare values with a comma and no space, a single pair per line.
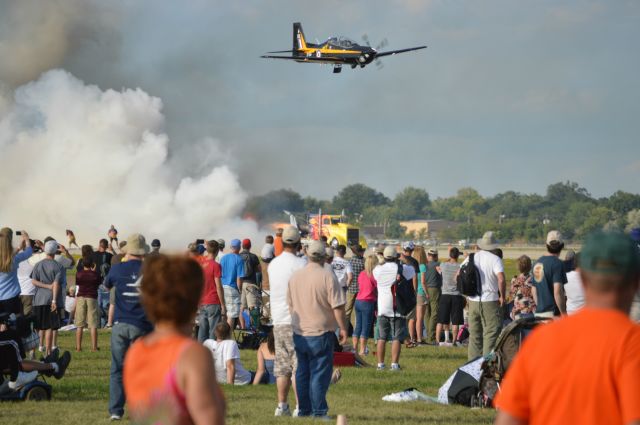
9,261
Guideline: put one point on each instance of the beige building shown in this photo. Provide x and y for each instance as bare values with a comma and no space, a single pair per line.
430,228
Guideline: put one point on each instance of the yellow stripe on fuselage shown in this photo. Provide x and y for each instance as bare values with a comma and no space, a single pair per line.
325,50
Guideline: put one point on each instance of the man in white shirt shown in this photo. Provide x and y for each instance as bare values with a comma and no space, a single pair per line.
485,311
391,325
342,267
280,270
226,357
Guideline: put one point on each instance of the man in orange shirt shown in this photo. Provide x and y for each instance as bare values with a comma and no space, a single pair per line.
277,242
585,368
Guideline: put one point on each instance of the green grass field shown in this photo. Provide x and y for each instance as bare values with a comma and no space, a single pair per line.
81,397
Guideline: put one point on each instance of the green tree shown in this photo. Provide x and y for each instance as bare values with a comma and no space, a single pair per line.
411,203
355,198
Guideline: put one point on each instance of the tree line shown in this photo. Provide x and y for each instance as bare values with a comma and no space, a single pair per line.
514,216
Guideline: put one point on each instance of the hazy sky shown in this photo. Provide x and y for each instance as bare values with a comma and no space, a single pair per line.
508,96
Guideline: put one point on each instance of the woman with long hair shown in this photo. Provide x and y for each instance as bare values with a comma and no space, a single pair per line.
365,305
9,261
266,357
169,377
422,299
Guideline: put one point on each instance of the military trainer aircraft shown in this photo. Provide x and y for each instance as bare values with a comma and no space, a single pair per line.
336,51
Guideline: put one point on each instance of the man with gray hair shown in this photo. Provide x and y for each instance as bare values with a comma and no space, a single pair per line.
316,302
485,310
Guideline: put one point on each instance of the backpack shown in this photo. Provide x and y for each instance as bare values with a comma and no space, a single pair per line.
404,297
249,269
469,282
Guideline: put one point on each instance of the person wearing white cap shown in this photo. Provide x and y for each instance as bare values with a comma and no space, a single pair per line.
391,324
316,302
485,310
47,301
549,278
280,270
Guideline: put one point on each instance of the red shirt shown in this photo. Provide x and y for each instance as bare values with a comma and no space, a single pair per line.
211,270
367,288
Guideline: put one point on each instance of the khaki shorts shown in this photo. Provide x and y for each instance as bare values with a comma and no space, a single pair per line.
251,296
421,300
87,312
286,361
27,304
412,314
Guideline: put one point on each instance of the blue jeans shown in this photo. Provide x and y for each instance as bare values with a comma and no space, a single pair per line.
208,317
365,311
103,306
122,336
313,376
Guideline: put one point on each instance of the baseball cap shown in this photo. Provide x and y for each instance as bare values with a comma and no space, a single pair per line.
316,250
235,243
408,246
379,248
432,251
51,247
155,243
554,236
246,243
454,252
290,235
390,252
136,245
221,243
610,253
329,252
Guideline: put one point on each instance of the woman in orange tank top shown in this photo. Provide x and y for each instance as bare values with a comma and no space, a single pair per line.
168,377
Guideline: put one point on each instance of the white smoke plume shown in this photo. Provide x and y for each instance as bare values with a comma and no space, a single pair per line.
75,157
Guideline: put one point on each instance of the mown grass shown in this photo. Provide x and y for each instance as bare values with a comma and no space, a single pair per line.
81,397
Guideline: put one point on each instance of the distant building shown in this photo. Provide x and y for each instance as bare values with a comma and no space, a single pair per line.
430,228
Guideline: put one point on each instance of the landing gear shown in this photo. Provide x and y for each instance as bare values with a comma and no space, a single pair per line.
337,69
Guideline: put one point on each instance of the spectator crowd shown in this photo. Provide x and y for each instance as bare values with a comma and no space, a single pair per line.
307,300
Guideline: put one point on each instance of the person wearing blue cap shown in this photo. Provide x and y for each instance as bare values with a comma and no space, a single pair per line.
232,266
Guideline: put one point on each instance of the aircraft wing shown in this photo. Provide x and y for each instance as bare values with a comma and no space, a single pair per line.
393,52
281,57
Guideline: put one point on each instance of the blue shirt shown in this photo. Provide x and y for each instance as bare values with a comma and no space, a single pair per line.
125,278
9,285
232,266
548,270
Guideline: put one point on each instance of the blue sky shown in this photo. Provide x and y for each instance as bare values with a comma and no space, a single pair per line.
508,95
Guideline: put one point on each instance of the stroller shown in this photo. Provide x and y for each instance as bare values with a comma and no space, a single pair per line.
498,361
20,328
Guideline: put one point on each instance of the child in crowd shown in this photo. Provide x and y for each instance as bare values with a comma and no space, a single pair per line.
226,357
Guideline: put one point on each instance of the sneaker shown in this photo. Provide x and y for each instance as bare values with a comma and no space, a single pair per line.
53,357
446,344
24,378
335,376
296,412
63,363
282,411
380,367
115,417
395,368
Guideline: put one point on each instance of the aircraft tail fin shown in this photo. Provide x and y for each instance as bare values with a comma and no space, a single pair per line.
299,42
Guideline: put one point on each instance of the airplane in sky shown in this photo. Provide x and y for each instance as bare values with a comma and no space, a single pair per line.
337,51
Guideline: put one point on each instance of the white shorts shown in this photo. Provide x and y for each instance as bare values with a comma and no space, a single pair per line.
232,301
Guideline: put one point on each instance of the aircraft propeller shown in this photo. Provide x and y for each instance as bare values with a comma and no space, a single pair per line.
380,45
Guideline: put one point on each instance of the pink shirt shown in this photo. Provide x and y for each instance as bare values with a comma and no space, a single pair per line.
367,287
